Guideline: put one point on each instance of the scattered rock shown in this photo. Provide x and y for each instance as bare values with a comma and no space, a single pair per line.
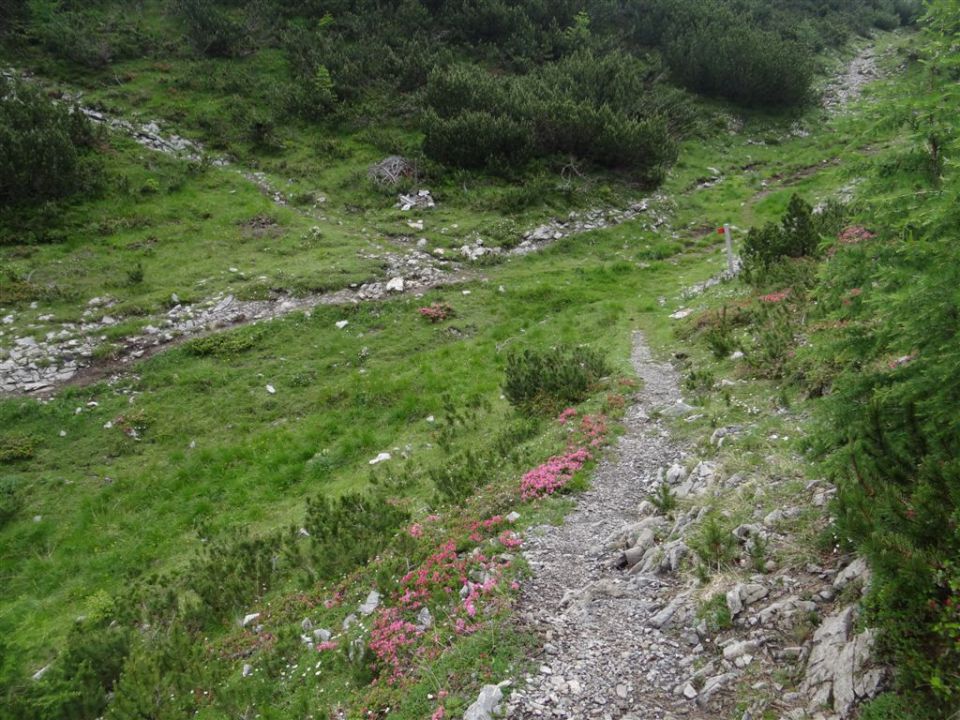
485,705
368,606
395,285
855,571
424,619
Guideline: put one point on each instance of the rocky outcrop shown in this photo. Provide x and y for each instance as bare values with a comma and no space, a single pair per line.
839,673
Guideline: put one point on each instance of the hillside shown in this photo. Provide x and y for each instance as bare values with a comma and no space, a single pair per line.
356,359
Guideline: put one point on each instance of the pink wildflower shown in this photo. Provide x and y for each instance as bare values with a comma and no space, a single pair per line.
392,639
567,414
777,296
553,474
855,234
437,312
510,539
416,530
438,714
327,645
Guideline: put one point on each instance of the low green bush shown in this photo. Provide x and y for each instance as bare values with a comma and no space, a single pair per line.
460,477
478,140
45,148
212,30
17,446
223,344
11,500
748,65
347,531
797,235
547,378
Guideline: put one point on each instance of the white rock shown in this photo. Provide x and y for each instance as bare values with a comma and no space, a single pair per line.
681,314
247,669
382,457
247,619
424,619
736,649
854,571
485,705
341,324
395,285
675,474
271,389
734,603
368,606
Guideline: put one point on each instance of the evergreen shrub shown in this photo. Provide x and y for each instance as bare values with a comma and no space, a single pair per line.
547,378
45,148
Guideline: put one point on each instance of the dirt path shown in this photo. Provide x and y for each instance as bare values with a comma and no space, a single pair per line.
605,654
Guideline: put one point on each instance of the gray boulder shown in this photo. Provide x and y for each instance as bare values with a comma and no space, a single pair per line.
485,705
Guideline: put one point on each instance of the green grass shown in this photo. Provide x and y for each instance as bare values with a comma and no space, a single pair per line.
215,451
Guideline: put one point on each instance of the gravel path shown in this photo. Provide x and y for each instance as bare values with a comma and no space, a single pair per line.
602,656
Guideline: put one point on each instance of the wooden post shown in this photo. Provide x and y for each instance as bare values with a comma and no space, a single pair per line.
728,237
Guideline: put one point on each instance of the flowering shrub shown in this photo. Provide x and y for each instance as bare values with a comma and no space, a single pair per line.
393,641
461,582
594,429
552,475
776,297
510,540
437,312
566,415
855,234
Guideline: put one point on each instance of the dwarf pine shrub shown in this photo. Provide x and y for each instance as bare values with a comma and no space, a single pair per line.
548,378
45,149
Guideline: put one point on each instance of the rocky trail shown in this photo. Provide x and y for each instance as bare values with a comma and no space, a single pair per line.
621,614
608,651
848,85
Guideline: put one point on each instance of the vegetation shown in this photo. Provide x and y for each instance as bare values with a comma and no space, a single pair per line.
868,331
552,377
45,149
145,521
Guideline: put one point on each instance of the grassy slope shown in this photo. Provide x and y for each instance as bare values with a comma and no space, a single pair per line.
254,458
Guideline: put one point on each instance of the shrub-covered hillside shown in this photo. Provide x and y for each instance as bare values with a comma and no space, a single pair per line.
357,61
856,309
